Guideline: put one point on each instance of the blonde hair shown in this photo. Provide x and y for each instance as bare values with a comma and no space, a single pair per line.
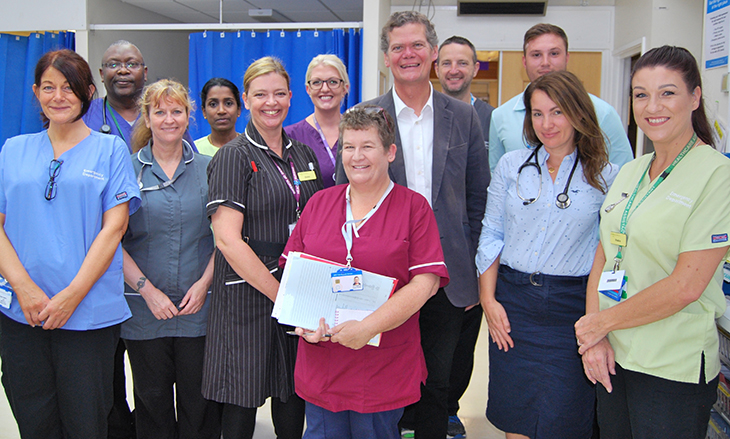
152,95
329,61
264,66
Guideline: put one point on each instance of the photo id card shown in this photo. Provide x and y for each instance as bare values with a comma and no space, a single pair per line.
613,284
346,279
6,293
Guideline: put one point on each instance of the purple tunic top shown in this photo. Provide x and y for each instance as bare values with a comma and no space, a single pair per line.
308,135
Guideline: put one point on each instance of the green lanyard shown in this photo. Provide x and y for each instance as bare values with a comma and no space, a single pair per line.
114,117
663,176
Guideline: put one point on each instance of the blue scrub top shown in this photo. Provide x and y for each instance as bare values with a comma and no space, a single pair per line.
53,237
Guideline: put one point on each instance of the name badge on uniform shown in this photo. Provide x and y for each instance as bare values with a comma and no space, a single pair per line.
346,279
6,293
291,227
613,284
307,175
619,239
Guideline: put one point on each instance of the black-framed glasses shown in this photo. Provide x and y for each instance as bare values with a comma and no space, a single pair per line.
332,83
54,169
129,65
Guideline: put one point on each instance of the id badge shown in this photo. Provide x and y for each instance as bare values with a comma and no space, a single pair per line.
346,279
619,239
307,175
6,293
291,227
613,284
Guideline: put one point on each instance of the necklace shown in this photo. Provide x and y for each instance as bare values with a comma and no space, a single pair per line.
551,169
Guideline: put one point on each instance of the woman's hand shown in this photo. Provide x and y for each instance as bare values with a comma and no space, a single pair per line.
599,364
589,331
59,309
194,299
32,301
158,302
351,334
498,324
315,336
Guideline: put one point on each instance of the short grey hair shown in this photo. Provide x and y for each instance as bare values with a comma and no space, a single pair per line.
398,19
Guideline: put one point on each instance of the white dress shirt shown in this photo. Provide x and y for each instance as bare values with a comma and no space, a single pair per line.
416,135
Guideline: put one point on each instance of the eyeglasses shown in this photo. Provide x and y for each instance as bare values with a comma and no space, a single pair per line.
116,65
332,83
53,171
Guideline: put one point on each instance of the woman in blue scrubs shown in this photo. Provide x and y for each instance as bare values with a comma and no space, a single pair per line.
65,198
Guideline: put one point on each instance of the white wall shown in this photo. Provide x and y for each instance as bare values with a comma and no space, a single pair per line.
41,15
588,28
678,23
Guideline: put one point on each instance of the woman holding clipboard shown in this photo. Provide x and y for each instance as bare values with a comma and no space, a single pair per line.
375,225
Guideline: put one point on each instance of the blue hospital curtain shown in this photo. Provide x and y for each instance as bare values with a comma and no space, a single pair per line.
19,111
228,54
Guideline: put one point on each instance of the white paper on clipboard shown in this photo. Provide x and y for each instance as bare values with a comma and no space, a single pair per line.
305,293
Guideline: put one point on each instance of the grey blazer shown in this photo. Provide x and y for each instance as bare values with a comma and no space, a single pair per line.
459,187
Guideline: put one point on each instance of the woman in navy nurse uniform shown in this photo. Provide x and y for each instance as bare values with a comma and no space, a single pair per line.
65,198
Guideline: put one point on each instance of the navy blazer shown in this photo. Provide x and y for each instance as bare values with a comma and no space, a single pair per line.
460,177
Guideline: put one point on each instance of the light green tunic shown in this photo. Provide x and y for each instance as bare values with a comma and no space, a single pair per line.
689,211
205,147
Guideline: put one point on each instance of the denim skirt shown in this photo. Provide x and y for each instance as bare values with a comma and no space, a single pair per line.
538,388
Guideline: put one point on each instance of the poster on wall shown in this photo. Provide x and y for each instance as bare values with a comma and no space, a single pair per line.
717,33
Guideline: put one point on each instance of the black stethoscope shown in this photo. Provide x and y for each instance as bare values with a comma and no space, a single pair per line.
105,128
562,200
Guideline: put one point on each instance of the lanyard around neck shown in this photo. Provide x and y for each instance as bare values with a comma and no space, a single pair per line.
663,176
293,187
108,108
350,222
324,140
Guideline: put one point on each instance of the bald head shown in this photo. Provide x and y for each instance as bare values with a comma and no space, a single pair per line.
123,71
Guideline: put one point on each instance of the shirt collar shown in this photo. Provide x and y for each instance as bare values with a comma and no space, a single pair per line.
520,104
542,156
400,105
144,155
253,136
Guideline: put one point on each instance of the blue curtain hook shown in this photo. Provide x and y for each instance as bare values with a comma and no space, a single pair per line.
205,34
238,35
253,34
299,33
316,33
282,34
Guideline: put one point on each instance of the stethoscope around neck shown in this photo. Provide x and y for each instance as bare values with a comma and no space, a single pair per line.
105,128
562,200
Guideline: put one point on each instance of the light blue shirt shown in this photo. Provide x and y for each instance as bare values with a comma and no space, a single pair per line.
540,236
52,238
505,131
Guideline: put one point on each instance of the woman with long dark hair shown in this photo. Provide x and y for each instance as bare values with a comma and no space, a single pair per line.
664,232
538,238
